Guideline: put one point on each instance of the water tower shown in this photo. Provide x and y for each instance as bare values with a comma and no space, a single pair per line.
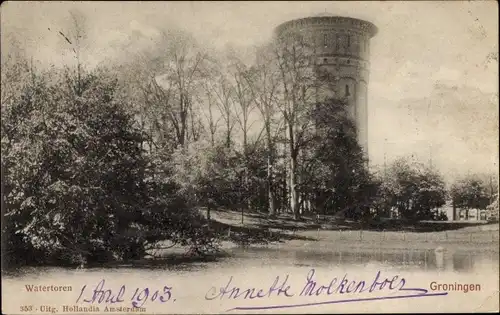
341,48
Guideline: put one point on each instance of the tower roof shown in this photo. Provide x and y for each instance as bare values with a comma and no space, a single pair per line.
325,18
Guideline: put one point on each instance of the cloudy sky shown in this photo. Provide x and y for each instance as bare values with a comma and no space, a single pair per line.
433,89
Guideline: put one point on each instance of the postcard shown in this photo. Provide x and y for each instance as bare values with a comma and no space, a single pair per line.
206,157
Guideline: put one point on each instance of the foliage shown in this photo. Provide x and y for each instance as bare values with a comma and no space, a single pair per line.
210,176
413,190
214,176
340,179
471,193
77,182
166,82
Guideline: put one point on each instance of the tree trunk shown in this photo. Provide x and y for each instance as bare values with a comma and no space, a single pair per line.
294,206
270,187
293,187
284,181
248,200
454,218
270,169
247,181
228,135
209,208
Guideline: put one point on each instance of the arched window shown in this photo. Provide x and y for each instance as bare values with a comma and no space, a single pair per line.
325,40
347,93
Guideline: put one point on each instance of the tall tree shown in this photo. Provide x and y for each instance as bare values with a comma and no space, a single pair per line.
220,87
244,105
244,102
333,166
299,86
264,88
207,107
170,77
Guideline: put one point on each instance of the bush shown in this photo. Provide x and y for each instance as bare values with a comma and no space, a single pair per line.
78,186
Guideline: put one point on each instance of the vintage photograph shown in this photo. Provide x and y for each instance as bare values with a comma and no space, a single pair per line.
182,157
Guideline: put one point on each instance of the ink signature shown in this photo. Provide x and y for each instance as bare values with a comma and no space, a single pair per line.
312,287
139,298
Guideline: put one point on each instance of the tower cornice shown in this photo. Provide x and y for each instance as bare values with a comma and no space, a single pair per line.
337,21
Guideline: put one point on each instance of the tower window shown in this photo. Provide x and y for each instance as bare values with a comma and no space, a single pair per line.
347,93
325,40
348,41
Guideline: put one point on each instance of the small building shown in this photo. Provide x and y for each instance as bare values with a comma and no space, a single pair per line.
472,214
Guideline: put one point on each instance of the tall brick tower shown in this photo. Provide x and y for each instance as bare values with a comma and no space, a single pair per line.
341,48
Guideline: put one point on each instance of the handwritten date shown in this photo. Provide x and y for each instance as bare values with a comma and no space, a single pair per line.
140,296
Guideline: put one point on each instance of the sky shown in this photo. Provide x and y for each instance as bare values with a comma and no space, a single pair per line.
433,90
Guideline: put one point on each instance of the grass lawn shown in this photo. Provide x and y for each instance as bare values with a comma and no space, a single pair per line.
334,234
330,235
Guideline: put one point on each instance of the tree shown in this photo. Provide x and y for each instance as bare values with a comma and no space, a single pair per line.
414,190
432,194
299,87
219,87
244,104
210,176
18,81
338,177
470,193
73,159
168,81
265,92
80,188
209,112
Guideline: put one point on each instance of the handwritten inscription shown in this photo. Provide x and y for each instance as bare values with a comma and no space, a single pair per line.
231,292
345,286
139,298
313,286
